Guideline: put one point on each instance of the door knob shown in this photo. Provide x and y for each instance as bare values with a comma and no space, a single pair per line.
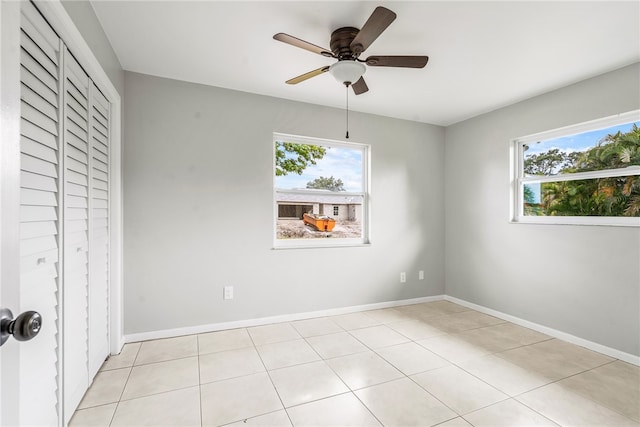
23,328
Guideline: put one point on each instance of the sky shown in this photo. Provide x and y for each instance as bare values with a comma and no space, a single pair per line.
579,142
341,163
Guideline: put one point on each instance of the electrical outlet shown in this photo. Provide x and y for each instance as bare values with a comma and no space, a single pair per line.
403,277
228,292
421,275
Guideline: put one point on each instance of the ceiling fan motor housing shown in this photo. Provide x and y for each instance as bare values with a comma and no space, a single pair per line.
341,43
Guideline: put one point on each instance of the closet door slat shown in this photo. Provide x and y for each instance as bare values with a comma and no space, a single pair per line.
39,215
99,249
76,242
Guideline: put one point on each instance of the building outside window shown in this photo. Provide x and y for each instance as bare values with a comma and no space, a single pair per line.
320,192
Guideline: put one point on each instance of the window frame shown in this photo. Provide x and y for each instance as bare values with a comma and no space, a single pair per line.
364,240
518,179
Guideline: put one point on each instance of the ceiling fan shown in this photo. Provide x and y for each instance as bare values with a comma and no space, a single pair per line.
347,43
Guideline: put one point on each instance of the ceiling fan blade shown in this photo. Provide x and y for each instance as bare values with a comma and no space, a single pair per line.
360,86
397,61
307,76
379,20
294,41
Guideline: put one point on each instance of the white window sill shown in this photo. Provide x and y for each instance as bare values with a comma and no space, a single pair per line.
580,220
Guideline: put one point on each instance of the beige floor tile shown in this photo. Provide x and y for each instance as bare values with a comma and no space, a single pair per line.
388,315
344,410
501,337
517,334
233,339
410,358
180,408
335,345
355,321
452,348
403,403
503,375
411,310
268,334
160,377
416,329
107,387
98,416
458,389
379,336
508,413
443,307
305,383
581,356
568,408
615,385
287,353
125,359
273,419
227,401
554,359
456,422
167,349
229,364
462,321
363,369
420,311
315,327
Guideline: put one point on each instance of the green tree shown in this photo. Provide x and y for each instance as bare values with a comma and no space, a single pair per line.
547,163
530,206
294,158
617,196
324,183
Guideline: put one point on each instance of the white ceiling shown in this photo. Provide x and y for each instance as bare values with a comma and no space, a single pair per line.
483,55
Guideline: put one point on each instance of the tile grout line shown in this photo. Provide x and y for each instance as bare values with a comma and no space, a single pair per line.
575,392
374,351
269,376
133,363
199,378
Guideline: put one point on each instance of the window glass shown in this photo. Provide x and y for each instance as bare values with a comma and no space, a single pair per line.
319,192
601,149
584,171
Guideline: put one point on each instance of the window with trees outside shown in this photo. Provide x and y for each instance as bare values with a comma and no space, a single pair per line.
583,174
320,192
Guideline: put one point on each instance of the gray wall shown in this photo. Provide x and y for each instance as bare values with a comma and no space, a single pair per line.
198,209
583,280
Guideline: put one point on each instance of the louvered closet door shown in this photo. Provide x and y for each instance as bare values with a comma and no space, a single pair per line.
39,216
76,229
99,234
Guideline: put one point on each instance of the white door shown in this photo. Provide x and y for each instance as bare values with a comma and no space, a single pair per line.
29,255
9,203
54,217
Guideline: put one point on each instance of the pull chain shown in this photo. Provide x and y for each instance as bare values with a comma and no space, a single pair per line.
347,87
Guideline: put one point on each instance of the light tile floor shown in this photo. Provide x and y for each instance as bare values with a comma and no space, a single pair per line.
426,364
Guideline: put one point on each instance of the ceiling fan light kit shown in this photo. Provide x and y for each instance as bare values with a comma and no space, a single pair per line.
347,72
347,43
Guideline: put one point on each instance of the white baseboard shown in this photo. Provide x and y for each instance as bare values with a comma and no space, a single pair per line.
612,352
212,327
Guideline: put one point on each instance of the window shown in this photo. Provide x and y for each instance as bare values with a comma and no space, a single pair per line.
320,192
583,174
